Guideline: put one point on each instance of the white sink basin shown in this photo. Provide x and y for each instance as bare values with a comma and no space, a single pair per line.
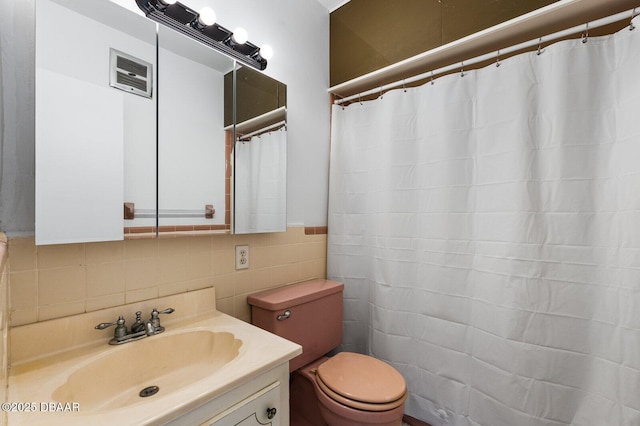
115,378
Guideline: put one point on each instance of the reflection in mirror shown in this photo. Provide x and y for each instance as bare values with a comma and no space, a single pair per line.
192,194
259,154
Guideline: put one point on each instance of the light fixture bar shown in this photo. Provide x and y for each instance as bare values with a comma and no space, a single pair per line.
247,53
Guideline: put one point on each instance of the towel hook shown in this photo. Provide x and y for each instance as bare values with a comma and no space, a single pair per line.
540,49
585,34
498,59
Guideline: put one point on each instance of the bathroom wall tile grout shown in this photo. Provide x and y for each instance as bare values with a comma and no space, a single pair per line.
49,282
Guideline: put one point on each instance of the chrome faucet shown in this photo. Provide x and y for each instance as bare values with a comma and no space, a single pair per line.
139,329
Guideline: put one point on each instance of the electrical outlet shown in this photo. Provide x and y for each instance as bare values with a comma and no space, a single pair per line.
242,257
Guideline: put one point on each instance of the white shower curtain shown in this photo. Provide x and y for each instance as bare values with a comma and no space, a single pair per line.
261,183
487,230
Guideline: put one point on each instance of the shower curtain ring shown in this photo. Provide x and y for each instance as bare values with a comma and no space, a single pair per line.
462,69
633,15
432,82
360,98
403,87
498,59
540,49
585,34
381,94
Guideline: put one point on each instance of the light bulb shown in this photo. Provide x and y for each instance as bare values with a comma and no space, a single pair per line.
167,2
207,16
240,35
266,52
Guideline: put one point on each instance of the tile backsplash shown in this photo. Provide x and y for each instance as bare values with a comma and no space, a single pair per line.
4,323
55,281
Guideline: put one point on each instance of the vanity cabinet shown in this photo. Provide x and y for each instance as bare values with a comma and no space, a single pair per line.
250,404
260,408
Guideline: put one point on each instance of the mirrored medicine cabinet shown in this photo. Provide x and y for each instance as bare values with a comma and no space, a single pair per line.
143,132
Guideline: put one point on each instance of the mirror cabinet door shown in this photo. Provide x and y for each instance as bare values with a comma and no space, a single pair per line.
192,195
87,132
260,154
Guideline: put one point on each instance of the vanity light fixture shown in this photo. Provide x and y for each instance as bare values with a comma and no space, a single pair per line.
203,28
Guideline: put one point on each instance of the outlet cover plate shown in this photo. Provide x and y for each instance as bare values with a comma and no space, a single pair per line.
242,257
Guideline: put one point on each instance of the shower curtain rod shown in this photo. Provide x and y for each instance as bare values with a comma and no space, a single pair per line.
275,126
459,65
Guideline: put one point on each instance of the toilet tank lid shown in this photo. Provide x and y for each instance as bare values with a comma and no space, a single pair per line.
296,294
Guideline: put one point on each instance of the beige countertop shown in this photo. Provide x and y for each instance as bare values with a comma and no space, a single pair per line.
34,381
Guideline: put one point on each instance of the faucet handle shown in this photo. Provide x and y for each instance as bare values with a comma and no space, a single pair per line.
165,311
121,329
155,313
155,320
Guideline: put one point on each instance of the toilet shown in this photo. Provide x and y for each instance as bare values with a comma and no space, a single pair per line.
347,389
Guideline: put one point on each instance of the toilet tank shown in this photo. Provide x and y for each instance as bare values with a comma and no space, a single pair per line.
314,318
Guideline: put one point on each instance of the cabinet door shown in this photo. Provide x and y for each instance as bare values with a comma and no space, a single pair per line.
261,408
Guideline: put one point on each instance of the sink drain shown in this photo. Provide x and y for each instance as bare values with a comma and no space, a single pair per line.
149,391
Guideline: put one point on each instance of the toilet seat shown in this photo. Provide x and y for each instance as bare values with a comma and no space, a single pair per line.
361,382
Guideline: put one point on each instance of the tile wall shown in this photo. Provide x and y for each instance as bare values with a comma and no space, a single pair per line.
4,322
49,282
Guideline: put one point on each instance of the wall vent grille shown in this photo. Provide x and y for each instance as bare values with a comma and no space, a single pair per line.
130,74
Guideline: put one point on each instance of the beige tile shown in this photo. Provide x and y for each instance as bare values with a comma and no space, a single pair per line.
61,255
172,247
224,262
312,251
200,243
173,288
199,284
263,257
255,240
106,301
285,254
24,316
199,265
248,280
225,305
141,294
172,269
224,285
285,274
222,242
22,254
24,290
292,236
313,238
60,310
105,278
243,239
241,308
141,273
111,251
313,269
135,249
245,318
61,285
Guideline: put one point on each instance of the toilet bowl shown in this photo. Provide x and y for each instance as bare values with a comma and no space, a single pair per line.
354,389
348,389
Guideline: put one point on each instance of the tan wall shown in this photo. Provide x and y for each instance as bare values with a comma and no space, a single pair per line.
55,281
4,322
